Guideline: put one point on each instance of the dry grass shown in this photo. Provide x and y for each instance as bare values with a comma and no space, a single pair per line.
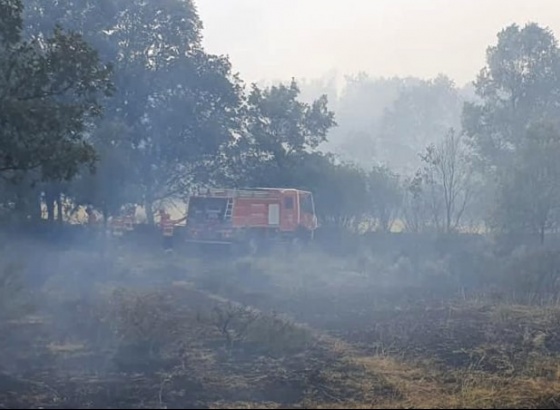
244,405
345,339
66,348
420,387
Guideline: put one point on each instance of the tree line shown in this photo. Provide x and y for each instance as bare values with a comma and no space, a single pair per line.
112,102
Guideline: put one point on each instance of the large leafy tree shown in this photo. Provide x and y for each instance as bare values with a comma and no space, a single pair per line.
340,189
192,117
178,104
280,133
385,197
529,196
519,86
50,89
359,111
422,112
112,184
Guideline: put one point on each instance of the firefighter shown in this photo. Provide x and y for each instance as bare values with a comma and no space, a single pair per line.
91,223
167,226
92,218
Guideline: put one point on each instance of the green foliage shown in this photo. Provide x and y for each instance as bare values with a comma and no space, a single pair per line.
529,196
280,124
518,86
176,106
420,114
181,108
180,117
342,196
340,189
50,90
13,301
281,133
534,277
11,18
386,197
113,182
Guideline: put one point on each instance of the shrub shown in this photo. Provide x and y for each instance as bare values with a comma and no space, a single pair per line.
13,299
534,277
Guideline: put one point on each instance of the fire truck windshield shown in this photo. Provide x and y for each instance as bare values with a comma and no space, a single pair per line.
307,204
206,209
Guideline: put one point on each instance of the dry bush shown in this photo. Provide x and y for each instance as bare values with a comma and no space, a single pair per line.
534,277
233,322
277,336
14,302
245,329
147,325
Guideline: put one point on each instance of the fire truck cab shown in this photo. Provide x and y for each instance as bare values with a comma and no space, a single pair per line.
236,215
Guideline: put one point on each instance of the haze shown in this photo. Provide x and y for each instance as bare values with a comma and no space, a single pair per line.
279,39
380,232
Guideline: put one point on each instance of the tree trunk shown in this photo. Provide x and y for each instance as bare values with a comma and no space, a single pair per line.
149,207
448,217
37,211
59,209
20,208
50,208
105,213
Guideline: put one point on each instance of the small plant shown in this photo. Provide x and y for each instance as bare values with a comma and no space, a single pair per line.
535,277
278,336
233,322
13,301
146,324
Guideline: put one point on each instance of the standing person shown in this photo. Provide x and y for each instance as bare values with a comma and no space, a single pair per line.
91,224
92,218
167,230
167,227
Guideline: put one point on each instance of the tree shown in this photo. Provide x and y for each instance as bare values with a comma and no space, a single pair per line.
422,112
519,85
192,119
529,196
179,104
280,132
385,197
416,212
281,125
112,185
359,110
49,91
447,177
340,190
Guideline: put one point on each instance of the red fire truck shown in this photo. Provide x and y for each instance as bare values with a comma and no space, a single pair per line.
250,216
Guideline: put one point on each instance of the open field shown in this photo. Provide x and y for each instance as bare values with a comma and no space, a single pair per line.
142,329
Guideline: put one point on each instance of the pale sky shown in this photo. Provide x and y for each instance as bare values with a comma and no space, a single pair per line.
279,39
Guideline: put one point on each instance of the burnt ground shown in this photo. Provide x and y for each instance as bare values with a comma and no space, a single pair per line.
311,331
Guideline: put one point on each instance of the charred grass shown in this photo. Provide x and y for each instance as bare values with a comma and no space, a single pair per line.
311,331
